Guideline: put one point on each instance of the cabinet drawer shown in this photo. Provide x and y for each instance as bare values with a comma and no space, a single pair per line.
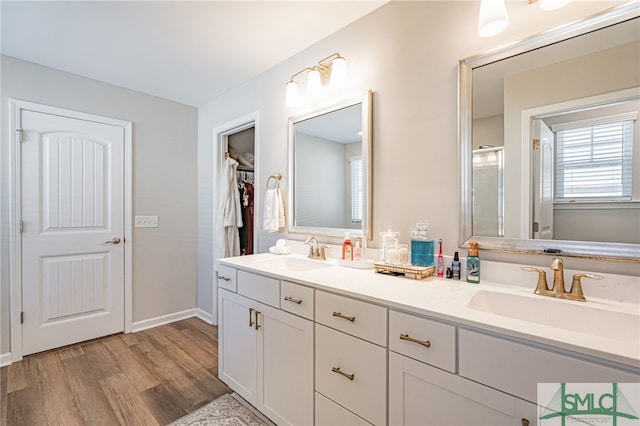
434,342
260,288
357,318
227,278
352,372
297,299
517,368
328,413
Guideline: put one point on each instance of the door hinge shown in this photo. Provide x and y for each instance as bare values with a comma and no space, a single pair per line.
536,144
21,226
20,133
21,317
536,226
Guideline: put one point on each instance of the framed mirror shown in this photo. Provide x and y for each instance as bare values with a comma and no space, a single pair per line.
541,169
330,169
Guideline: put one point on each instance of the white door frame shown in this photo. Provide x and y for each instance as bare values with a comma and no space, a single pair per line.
15,196
220,135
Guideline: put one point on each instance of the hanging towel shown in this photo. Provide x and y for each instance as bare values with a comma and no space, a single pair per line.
229,212
273,210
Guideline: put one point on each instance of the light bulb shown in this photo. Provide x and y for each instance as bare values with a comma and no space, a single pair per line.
553,4
293,94
314,83
493,18
339,75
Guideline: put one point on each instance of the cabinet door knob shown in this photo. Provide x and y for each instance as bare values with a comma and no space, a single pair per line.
339,315
425,343
250,317
290,299
337,370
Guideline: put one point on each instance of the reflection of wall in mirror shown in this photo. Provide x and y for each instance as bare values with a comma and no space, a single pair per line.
488,131
322,190
320,182
601,72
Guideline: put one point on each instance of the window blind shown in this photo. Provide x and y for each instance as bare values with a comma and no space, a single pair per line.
356,189
594,161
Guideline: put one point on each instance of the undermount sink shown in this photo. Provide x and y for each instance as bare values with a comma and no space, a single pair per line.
574,316
287,263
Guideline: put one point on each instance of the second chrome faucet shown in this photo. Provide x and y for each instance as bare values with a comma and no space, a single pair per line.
558,288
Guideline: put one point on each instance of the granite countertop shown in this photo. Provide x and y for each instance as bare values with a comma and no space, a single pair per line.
449,300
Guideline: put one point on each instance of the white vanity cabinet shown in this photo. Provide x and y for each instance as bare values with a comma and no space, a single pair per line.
424,388
304,355
266,354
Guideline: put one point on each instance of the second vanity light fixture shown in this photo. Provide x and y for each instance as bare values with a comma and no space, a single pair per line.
334,73
494,18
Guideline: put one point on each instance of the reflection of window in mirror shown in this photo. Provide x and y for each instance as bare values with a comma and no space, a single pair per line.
595,194
356,200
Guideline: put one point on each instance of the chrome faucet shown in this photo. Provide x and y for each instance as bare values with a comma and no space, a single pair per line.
558,290
315,251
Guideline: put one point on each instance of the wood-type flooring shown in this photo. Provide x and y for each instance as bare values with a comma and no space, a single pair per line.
151,377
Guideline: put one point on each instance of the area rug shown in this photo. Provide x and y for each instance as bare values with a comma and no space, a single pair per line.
227,410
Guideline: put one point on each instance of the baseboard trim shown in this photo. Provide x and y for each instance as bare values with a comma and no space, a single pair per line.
5,359
205,316
162,320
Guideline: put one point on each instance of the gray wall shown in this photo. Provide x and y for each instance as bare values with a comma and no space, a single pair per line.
407,53
164,181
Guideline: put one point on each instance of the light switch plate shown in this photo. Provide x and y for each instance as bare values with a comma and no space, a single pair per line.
146,222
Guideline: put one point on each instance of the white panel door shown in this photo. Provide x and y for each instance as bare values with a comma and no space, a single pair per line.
72,174
543,182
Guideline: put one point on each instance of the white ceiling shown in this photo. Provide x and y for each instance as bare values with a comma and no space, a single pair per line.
188,52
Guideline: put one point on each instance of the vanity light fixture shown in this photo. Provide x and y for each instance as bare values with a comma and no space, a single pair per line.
324,72
494,19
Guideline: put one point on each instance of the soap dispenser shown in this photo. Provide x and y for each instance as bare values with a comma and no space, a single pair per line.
473,264
421,245
347,247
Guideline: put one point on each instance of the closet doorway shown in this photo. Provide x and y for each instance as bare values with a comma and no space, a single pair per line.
235,197
241,148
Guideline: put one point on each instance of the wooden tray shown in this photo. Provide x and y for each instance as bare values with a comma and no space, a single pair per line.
409,271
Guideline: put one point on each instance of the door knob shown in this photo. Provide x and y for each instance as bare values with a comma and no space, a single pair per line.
114,240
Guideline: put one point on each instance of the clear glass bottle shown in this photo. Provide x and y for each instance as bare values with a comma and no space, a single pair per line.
422,246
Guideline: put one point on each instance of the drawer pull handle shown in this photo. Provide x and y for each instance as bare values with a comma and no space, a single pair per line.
257,325
339,315
337,370
250,317
290,299
222,277
425,343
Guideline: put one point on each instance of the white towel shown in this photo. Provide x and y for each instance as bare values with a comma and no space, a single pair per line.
273,211
281,247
